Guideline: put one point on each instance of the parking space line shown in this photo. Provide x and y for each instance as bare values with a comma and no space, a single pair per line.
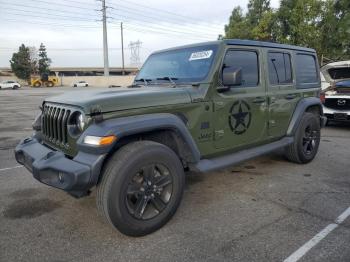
318,237
9,168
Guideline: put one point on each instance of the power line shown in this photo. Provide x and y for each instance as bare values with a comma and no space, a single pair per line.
199,27
130,27
48,23
150,20
60,4
184,30
51,16
46,9
147,24
163,11
160,12
69,49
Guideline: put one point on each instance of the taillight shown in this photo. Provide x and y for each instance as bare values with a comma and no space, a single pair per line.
323,97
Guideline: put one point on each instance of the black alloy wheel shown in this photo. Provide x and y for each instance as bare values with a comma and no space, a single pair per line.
149,192
309,140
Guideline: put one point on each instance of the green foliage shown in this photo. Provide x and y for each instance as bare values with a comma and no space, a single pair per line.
238,26
256,11
21,63
319,24
44,62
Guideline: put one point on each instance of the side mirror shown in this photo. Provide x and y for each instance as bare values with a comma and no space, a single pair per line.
232,76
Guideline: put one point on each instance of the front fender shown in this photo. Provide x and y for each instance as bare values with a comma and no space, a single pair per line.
132,125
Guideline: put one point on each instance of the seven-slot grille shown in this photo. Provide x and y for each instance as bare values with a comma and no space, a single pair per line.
55,124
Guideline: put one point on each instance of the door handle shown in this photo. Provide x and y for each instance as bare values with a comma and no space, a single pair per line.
259,100
290,96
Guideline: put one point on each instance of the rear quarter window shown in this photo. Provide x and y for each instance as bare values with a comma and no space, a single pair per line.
307,75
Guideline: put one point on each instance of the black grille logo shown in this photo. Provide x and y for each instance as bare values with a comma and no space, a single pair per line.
341,102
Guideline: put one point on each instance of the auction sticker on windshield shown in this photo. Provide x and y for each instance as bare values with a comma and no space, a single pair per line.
201,55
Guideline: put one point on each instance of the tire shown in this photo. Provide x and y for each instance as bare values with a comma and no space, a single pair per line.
49,84
75,86
86,85
15,87
306,140
37,84
124,187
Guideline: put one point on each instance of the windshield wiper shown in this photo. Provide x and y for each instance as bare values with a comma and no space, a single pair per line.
144,80
168,78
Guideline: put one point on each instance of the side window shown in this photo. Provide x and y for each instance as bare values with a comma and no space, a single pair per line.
280,71
249,64
306,69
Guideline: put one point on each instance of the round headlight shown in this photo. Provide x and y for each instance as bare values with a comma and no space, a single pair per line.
76,123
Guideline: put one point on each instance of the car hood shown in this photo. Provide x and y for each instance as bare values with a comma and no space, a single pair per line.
115,99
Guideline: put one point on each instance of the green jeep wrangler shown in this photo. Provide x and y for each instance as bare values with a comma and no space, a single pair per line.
200,107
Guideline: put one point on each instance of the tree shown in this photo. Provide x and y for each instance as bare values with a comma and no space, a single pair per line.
299,20
266,29
257,10
238,25
256,24
319,24
336,23
21,63
44,62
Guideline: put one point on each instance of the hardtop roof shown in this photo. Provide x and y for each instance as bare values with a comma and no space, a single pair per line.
241,42
266,44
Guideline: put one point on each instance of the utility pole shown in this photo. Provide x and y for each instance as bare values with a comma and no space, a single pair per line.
105,44
122,39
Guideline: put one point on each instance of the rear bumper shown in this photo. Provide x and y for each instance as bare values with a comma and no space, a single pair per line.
75,176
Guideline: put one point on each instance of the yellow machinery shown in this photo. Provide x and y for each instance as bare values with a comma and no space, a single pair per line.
45,80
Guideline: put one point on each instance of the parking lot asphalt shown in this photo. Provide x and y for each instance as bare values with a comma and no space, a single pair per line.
261,210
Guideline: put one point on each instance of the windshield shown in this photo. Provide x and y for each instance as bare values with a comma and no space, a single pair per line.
181,65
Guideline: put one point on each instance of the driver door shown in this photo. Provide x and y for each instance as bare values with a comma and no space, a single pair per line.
240,113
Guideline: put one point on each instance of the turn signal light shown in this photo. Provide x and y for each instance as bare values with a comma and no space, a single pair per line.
100,140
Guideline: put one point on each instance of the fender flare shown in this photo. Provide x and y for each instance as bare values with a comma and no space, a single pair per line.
300,109
133,125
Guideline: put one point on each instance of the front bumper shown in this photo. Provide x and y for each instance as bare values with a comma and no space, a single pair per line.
53,168
336,115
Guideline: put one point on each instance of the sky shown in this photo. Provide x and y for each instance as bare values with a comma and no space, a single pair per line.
71,30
